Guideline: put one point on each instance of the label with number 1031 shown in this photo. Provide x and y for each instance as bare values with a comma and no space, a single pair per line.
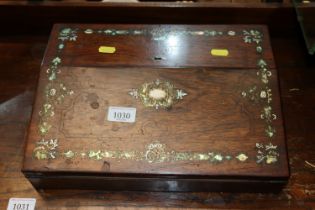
121,114
21,204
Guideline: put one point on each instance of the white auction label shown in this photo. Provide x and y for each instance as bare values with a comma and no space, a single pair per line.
21,204
121,114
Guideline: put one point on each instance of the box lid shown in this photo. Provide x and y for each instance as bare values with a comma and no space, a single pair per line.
206,99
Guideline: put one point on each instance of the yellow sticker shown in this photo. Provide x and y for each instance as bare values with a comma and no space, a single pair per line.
106,49
219,52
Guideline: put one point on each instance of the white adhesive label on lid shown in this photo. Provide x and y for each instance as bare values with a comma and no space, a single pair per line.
121,114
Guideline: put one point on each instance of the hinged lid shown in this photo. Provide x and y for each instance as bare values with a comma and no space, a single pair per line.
219,116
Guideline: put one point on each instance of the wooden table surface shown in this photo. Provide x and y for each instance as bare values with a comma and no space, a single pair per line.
20,59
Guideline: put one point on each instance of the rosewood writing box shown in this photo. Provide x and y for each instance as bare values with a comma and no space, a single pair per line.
157,107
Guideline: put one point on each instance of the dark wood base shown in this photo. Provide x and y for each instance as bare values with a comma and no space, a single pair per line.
20,60
87,181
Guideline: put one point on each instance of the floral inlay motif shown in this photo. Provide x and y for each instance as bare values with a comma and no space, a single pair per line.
55,90
155,152
158,34
263,94
267,153
45,149
153,94
158,94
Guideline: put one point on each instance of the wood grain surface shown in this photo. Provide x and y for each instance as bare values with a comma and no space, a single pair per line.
214,120
210,118
20,60
297,78
159,46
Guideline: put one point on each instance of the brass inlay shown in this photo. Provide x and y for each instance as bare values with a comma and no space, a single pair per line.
155,94
267,153
262,94
251,36
242,157
157,34
158,94
45,149
154,153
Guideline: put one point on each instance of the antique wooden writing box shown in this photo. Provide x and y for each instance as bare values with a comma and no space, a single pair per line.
162,108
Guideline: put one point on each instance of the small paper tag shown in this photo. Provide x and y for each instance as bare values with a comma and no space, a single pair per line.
21,204
121,114
219,52
106,49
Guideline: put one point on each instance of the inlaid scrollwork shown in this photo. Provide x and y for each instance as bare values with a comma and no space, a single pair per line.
262,94
153,94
